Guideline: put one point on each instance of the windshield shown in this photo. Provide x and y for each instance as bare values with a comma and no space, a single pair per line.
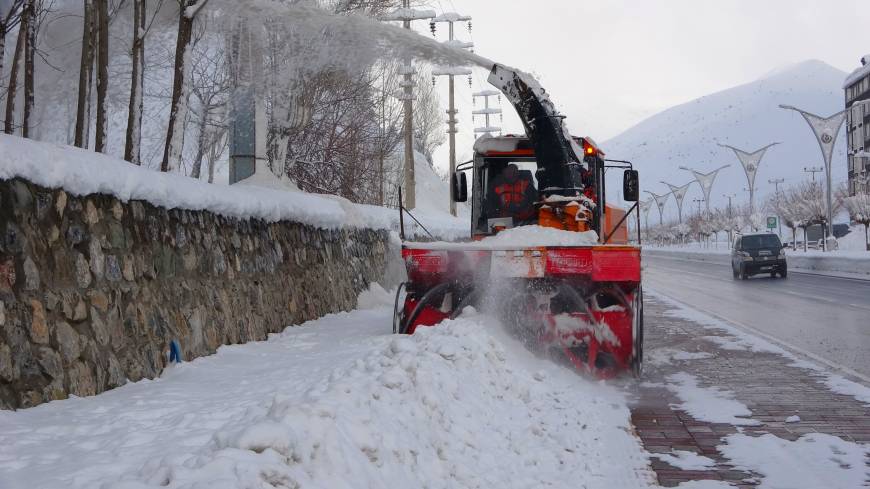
764,241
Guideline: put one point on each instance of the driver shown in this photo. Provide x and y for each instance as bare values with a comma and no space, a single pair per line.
513,196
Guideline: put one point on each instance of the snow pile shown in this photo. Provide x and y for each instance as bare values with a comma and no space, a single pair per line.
446,407
710,404
812,461
374,297
83,172
529,236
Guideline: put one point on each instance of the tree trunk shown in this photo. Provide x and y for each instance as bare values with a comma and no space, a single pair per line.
102,73
28,24
134,117
805,240
178,108
12,91
2,43
82,119
200,144
866,236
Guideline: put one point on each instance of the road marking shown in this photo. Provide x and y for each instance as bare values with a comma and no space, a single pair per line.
750,330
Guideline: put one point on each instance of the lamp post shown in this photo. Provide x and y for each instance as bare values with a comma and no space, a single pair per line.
813,170
750,163
679,194
730,216
705,180
826,130
660,201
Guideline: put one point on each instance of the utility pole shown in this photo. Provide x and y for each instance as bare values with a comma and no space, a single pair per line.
700,220
487,111
776,182
730,216
406,14
813,170
450,18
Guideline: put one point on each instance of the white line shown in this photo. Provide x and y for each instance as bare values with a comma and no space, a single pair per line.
776,341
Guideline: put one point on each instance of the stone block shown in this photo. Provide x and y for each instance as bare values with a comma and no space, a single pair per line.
69,343
8,371
82,271
38,326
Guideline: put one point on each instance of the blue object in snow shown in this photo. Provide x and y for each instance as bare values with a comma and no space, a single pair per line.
174,352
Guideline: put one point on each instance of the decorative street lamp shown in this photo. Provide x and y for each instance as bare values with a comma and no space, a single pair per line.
705,180
825,129
645,206
679,194
750,162
660,201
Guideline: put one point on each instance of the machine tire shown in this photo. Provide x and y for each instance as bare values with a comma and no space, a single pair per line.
637,335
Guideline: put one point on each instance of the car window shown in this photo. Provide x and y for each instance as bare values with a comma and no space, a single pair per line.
763,241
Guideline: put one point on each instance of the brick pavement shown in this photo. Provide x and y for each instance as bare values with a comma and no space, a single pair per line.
766,383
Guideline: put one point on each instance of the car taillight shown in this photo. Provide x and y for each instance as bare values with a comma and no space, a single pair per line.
425,261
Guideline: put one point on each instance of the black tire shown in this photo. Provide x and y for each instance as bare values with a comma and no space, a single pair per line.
784,273
772,274
734,272
637,356
743,274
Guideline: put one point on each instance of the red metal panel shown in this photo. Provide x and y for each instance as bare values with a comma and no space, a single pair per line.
616,265
569,261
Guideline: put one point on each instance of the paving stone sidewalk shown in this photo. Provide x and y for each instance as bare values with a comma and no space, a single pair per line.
767,383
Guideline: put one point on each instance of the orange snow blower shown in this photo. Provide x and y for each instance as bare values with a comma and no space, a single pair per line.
574,289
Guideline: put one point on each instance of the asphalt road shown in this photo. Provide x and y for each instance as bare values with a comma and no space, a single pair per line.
828,317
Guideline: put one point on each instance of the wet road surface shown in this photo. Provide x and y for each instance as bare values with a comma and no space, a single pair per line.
826,317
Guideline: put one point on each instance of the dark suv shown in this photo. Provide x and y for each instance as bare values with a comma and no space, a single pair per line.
758,253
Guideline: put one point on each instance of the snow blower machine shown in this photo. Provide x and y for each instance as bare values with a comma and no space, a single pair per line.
547,254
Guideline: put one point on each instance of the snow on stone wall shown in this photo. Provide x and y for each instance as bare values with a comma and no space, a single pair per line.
93,288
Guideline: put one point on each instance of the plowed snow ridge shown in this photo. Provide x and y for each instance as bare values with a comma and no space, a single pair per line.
460,405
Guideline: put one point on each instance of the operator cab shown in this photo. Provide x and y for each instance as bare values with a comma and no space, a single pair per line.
511,188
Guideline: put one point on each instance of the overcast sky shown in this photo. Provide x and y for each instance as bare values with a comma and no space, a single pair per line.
610,63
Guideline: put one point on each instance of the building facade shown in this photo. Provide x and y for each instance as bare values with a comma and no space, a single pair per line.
857,88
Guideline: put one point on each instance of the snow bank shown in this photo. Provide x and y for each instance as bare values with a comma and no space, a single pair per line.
452,406
846,262
812,461
83,172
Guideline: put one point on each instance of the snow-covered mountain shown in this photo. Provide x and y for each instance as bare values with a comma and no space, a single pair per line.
747,117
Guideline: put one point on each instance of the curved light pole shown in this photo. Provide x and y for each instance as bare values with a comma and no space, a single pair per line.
660,201
705,180
826,130
679,194
750,162
645,206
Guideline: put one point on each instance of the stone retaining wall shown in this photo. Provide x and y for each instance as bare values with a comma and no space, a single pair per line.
92,289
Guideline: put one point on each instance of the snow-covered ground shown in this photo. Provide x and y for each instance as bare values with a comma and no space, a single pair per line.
83,172
339,402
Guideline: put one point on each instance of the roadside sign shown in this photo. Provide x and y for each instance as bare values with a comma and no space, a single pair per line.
771,223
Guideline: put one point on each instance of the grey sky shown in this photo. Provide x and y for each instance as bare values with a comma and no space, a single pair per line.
610,63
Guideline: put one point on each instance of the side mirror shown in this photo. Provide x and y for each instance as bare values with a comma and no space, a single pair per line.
631,186
459,186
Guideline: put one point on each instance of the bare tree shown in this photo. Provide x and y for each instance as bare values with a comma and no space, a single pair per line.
86,66
187,12
102,11
858,206
29,22
428,117
10,16
141,27
210,87
12,89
